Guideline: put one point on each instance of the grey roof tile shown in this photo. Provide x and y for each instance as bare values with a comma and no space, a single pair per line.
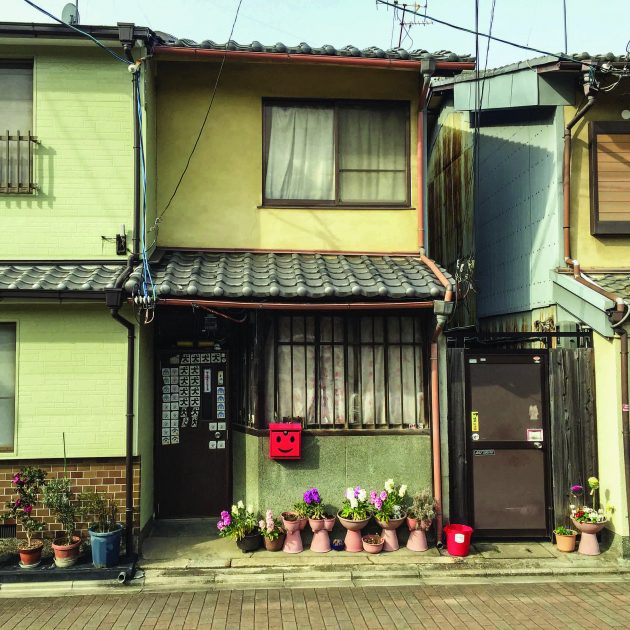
613,282
58,277
185,274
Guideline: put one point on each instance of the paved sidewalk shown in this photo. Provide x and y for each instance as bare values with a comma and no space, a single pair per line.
544,605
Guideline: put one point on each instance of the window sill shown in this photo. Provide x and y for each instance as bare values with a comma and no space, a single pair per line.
311,207
337,432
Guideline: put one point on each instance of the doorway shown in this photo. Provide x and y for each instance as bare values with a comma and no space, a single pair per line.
507,444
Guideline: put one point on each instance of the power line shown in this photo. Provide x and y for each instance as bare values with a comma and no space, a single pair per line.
203,124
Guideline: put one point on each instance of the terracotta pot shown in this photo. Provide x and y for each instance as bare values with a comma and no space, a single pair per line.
30,557
66,555
415,524
290,526
275,545
303,522
329,523
353,535
588,537
251,542
317,524
417,540
371,547
321,539
565,543
293,540
389,532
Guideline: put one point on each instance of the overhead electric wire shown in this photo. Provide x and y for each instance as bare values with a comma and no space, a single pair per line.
205,120
78,30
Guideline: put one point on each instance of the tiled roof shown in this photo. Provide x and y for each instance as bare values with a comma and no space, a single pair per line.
613,282
287,276
58,277
303,48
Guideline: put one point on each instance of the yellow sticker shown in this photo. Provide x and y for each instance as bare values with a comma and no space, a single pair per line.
474,421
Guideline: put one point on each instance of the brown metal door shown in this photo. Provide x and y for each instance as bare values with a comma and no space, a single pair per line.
193,438
507,443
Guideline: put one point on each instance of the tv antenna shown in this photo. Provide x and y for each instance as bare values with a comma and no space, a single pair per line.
70,13
405,26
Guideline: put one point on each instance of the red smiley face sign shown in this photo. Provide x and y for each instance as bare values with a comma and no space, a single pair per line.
285,440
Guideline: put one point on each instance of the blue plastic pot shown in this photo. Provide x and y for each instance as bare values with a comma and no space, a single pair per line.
105,547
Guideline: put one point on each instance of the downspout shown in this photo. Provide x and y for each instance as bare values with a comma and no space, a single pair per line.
427,69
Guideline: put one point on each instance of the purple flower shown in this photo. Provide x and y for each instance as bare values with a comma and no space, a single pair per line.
577,489
356,491
18,502
308,497
225,514
220,525
227,520
383,496
373,496
28,509
16,478
378,504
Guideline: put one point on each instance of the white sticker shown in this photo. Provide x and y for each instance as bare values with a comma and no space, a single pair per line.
166,423
220,414
195,391
166,372
220,398
534,435
212,426
166,440
207,381
475,436
220,390
221,426
167,379
221,444
195,358
533,412
212,445
460,538
220,377
185,358
205,358
175,439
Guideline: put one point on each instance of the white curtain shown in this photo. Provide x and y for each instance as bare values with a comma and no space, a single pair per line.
372,152
301,157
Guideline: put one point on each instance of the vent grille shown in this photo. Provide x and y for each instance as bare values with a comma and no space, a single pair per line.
8,531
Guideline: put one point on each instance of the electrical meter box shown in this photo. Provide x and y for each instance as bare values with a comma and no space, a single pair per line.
285,440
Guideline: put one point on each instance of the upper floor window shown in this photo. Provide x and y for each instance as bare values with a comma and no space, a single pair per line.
336,153
610,177
16,127
7,386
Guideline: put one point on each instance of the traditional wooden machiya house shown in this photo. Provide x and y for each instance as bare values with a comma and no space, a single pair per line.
541,224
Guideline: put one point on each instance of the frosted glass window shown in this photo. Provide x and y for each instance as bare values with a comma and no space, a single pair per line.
7,385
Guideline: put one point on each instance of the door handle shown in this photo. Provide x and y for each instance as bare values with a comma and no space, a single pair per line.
538,444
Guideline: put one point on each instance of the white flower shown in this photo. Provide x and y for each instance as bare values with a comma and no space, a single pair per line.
389,485
250,509
354,503
240,505
234,510
600,511
349,493
362,494
403,491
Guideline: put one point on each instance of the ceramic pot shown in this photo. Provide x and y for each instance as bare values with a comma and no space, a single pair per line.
30,557
321,539
353,535
565,543
275,545
105,547
66,555
251,542
588,537
303,521
329,523
389,532
417,540
293,540
372,547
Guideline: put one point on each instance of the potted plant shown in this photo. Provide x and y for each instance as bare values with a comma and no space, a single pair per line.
66,508
565,538
242,526
419,518
272,532
373,543
589,521
389,511
316,514
105,532
28,482
301,509
354,515
291,524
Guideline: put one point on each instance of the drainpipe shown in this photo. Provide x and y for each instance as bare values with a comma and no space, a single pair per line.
427,69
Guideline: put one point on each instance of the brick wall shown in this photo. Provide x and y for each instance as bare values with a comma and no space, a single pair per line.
105,475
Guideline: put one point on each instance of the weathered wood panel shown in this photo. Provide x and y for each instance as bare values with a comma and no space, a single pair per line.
573,424
458,492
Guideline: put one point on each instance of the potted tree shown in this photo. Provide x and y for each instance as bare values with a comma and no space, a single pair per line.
242,526
66,508
272,532
316,519
419,518
104,530
389,511
354,515
565,538
28,482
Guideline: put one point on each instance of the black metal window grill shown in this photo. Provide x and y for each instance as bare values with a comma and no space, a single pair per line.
345,372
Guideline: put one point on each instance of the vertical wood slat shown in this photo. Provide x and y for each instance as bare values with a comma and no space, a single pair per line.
19,161
573,424
456,397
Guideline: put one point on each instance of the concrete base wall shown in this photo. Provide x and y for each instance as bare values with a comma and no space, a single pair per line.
330,463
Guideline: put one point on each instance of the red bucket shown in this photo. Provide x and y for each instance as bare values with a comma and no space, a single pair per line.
458,539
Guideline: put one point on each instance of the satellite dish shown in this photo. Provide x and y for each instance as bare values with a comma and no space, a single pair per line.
70,13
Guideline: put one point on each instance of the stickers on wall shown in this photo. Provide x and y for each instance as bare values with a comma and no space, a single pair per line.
212,445
221,426
212,426
221,444
220,377
194,417
534,413
205,357
183,417
207,380
534,435
185,359
195,358
474,421
166,440
175,439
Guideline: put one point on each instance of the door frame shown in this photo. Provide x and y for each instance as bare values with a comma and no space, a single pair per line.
159,354
547,455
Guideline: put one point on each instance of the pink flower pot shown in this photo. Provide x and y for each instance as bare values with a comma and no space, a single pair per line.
293,540
303,522
417,534
588,537
389,532
372,547
66,554
321,539
329,523
353,535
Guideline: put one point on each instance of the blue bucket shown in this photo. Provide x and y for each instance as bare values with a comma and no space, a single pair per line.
105,547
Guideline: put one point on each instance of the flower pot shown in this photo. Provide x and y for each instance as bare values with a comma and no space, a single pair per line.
275,545
30,557
105,547
293,540
353,535
370,546
66,555
565,543
417,540
303,521
389,532
321,539
250,542
329,523
588,537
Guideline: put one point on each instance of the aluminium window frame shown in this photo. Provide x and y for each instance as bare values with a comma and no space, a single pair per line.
11,449
598,227
336,104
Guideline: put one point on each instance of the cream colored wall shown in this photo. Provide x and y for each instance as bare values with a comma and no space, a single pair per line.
609,431
592,251
217,205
